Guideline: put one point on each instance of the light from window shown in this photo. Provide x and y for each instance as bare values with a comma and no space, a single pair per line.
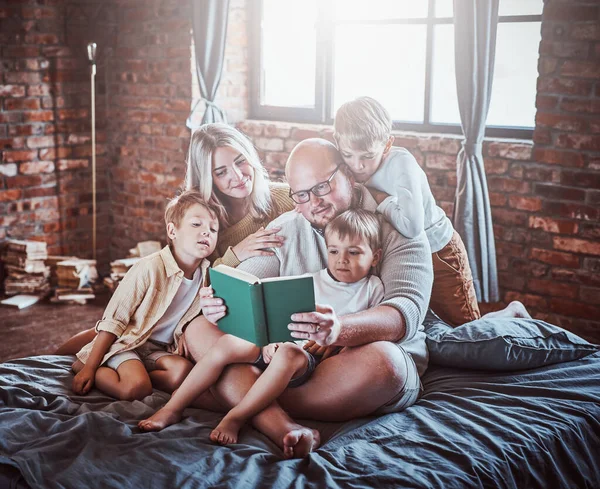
366,64
288,53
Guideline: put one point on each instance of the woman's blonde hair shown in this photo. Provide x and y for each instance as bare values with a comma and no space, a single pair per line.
362,121
205,140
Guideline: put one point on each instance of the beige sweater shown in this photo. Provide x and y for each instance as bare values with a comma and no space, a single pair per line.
223,254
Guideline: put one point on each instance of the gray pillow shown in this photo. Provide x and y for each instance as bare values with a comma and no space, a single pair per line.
502,344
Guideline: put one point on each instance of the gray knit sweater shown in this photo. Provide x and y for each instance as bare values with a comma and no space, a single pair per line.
405,269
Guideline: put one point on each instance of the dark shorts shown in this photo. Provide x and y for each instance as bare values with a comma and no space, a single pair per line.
296,381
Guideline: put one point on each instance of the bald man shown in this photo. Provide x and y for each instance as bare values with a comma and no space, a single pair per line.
379,371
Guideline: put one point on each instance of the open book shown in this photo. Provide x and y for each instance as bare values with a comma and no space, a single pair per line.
259,310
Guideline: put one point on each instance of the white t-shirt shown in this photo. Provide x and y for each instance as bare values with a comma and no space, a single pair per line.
410,208
165,327
347,298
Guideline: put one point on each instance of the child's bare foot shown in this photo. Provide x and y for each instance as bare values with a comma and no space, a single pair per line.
300,442
226,431
515,309
160,420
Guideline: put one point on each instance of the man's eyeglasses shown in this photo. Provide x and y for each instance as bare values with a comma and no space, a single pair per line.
320,189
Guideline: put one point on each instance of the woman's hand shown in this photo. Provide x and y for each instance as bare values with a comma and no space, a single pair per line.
322,326
213,308
84,380
256,243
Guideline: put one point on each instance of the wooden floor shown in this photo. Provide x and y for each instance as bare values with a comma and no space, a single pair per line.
41,328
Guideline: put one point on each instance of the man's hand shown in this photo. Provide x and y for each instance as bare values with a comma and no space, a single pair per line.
212,307
84,380
323,326
378,196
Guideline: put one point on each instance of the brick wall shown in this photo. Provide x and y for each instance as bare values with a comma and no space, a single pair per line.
45,164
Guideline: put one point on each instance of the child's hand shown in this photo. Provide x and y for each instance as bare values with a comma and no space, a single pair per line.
317,350
268,351
213,308
378,196
84,380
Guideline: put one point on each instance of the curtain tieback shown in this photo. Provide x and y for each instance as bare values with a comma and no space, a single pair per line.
472,148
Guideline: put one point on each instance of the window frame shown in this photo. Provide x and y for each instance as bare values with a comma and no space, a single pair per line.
319,114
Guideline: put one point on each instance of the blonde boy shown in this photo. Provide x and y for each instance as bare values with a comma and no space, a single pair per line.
139,332
362,130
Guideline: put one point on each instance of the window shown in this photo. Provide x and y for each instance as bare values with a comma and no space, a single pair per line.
310,56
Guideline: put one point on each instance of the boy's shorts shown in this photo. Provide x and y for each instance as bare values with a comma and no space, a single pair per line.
410,392
148,354
296,381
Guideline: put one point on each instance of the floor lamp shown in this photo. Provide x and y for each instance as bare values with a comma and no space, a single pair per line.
91,52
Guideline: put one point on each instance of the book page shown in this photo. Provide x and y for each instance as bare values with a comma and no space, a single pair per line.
239,274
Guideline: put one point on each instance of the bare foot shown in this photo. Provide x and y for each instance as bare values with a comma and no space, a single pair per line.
300,442
160,420
515,309
226,431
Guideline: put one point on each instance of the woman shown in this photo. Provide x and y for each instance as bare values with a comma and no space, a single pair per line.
224,166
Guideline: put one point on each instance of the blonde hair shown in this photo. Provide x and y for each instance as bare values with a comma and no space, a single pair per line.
363,121
357,223
179,205
205,140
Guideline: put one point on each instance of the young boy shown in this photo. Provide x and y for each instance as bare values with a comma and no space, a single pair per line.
354,247
139,331
362,130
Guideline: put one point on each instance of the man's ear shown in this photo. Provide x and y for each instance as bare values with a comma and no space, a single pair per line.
388,145
376,257
171,231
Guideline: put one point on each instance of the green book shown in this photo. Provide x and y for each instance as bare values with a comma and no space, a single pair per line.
259,310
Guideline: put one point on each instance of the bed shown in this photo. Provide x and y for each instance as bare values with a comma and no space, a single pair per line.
534,428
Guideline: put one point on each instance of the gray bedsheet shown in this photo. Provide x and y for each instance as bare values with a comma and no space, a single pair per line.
529,429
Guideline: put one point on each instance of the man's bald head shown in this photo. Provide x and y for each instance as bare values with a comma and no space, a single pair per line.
312,152
316,167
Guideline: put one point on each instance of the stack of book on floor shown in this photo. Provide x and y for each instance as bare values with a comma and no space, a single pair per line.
75,278
25,270
51,262
145,248
118,269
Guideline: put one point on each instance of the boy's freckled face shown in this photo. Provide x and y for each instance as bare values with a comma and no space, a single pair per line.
197,233
363,162
350,259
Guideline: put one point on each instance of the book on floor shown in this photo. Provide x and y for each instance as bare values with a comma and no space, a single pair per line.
259,310
20,301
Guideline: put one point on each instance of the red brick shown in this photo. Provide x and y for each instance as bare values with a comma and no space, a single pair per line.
40,142
63,165
564,49
10,195
513,151
509,185
33,167
553,156
591,295
578,141
573,308
542,136
555,258
546,65
588,179
529,300
525,203
509,217
569,12
22,104
545,102
14,156
444,145
552,288
21,51
586,31
21,77
12,143
12,91
39,90
581,106
53,153
572,210
581,69
38,116
552,191
39,13
576,245
564,86
440,161
552,225
561,122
